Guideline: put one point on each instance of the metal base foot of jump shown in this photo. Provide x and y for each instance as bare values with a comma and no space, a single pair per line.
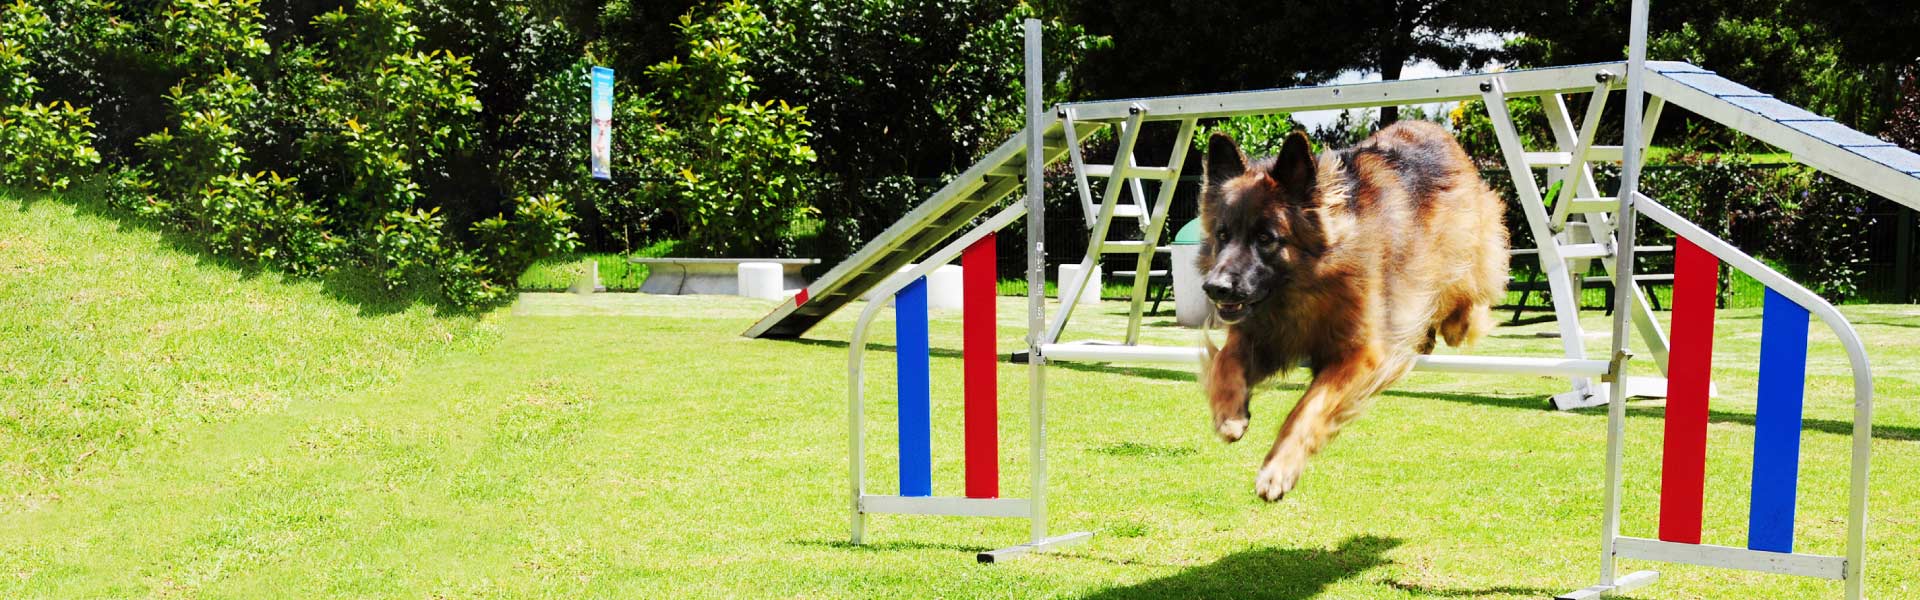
1006,554
1631,582
1637,387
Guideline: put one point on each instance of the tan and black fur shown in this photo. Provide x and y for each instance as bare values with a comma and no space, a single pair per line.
1350,264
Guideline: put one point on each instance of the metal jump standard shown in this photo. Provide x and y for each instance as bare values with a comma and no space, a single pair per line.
1581,224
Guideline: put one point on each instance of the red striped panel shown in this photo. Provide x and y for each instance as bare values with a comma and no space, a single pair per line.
1683,465
978,277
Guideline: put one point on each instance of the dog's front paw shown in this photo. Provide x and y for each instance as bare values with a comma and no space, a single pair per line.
1231,429
1276,479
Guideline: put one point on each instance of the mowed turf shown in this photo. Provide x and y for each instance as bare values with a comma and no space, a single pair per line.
174,427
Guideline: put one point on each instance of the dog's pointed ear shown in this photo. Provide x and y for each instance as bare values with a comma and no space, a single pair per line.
1294,169
1224,160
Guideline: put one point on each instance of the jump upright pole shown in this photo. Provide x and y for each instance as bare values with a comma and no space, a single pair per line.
1631,148
1036,279
1037,122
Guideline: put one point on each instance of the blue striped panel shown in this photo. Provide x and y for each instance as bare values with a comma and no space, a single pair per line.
1776,428
913,354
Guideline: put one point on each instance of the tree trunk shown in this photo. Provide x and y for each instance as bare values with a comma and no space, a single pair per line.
1393,54
1391,62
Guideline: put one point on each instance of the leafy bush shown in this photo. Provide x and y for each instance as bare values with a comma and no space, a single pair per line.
1903,122
901,90
1258,135
318,152
734,167
48,144
1812,224
540,227
1473,127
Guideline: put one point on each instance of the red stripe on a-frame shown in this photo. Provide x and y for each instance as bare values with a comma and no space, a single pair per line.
1683,466
979,266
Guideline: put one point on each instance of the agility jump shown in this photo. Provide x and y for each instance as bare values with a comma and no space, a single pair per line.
1608,223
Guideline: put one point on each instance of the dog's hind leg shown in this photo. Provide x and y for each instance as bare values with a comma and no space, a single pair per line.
1457,325
1338,394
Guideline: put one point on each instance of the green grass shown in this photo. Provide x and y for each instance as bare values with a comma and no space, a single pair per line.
175,428
616,274
1661,154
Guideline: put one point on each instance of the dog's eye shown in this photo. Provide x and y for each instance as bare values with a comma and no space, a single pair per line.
1267,238
1222,236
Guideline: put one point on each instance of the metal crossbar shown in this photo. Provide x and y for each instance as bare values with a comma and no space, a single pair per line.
1568,241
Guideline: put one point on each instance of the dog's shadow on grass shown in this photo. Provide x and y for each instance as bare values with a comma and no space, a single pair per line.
1271,573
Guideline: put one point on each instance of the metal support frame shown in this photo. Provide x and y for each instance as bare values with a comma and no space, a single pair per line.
1125,174
1037,313
1034,507
1097,238
1581,227
1851,567
1156,223
861,502
1565,247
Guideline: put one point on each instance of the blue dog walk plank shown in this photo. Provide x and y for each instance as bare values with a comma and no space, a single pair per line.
1715,85
1772,108
1674,66
1776,427
1836,134
913,353
1893,156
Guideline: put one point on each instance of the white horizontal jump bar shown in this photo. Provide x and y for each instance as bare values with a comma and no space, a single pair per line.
1513,365
947,505
1805,565
1118,353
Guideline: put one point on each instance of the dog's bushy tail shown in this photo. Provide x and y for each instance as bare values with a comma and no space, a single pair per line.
1207,349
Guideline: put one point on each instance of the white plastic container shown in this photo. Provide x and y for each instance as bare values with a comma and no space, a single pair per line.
944,287
944,291
1190,306
761,280
1065,276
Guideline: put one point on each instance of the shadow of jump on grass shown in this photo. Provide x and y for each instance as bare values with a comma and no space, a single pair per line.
889,546
1271,573
1440,592
1884,432
1146,372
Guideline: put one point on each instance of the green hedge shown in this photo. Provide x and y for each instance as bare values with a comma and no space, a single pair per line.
307,140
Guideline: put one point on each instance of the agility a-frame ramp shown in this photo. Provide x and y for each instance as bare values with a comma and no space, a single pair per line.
1576,230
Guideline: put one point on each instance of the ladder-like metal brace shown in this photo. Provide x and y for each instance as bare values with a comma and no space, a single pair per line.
1579,229
1125,174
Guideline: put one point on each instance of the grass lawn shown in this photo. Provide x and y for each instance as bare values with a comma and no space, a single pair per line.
171,426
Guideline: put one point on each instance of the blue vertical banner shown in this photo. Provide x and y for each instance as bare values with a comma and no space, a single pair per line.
601,142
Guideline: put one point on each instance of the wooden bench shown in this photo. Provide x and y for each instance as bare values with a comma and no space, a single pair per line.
675,276
1533,283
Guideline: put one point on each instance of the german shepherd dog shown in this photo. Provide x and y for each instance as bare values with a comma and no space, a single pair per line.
1349,263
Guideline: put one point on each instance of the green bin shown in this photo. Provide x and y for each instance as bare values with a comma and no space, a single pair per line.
1190,305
